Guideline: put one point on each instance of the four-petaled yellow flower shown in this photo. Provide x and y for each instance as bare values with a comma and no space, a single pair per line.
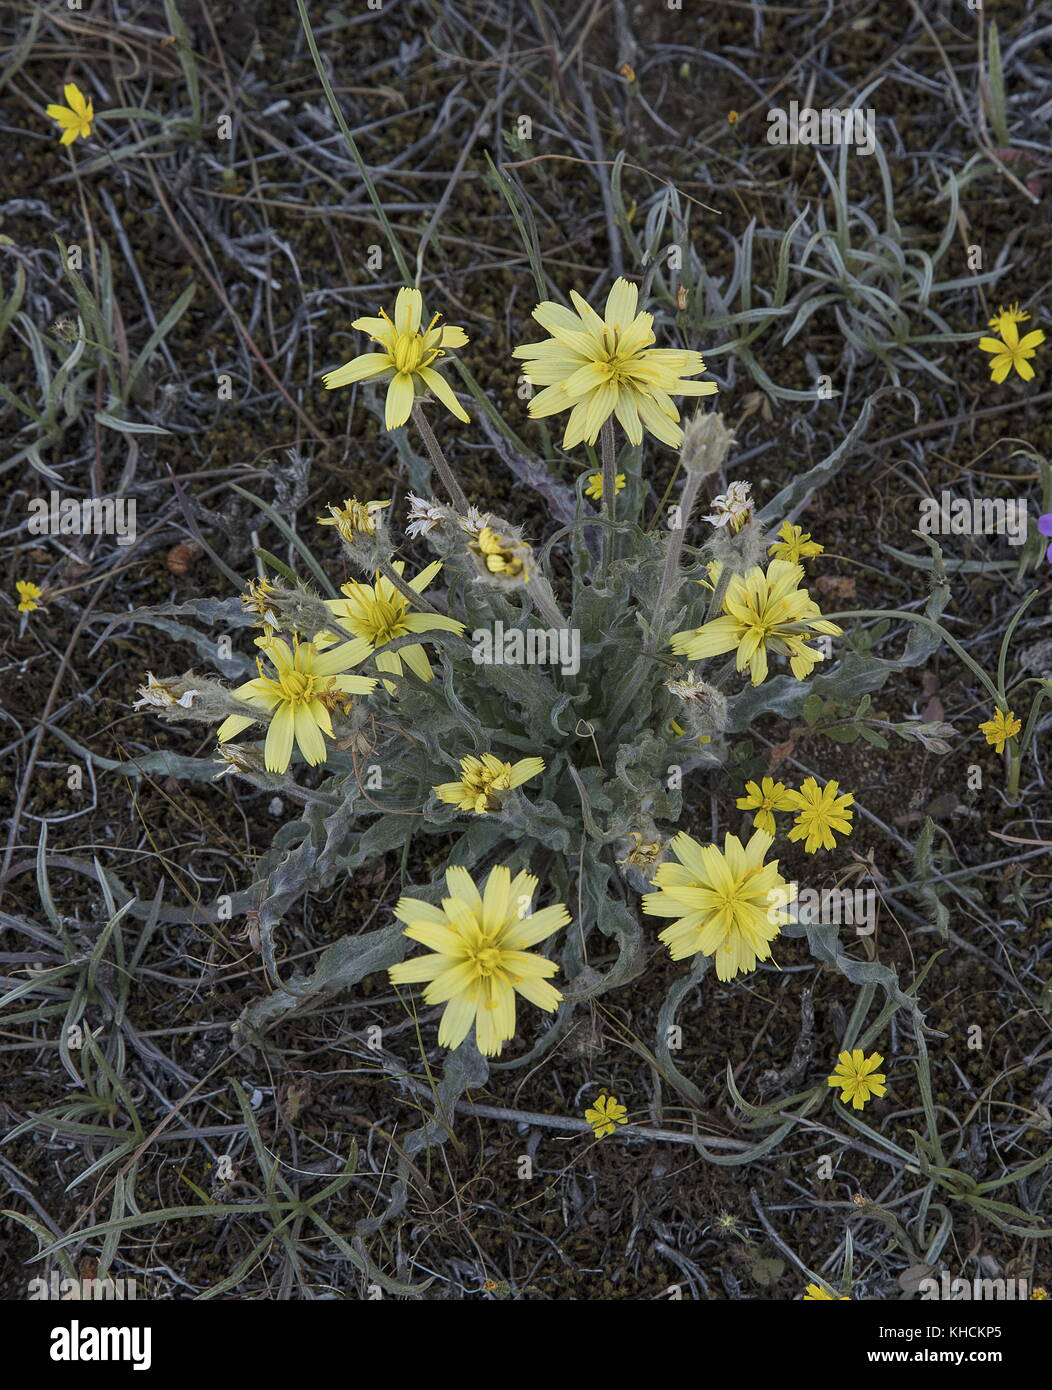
820,811
307,684
378,613
483,779
29,595
1011,351
857,1077
723,901
762,612
595,485
75,118
406,359
815,1293
596,367
768,797
794,544
605,1115
354,518
998,730
480,959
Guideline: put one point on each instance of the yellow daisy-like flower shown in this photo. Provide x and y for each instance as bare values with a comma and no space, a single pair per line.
483,779
354,518
406,359
820,811
1011,351
794,544
762,612
307,684
595,485
29,595
596,367
998,730
815,1293
75,118
480,959
605,1115
722,901
768,797
857,1077
1039,1293
1013,314
501,556
378,613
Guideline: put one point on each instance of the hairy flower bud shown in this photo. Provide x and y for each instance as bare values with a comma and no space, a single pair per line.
706,443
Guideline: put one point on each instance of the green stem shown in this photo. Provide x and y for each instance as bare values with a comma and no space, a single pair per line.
606,440
438,459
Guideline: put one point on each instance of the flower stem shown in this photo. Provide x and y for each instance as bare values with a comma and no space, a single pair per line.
393,577
438,459
540,591
606,442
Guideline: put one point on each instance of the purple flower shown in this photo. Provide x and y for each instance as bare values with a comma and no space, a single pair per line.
1044,525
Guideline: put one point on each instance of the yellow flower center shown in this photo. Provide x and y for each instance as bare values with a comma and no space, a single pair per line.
386,620
297,687
487,960
410,353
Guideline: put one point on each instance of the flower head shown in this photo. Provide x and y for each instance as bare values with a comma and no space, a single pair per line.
75,118
819,811
378,613
605,1115
857,1077
1013,314
721,900
1011,351
595,485
29,595
479,959
406,360
794,544
596,367
501,556
732,508
998,730
157,694
815,1293
258,598
482,780
766,798
354,518
305,685
762,612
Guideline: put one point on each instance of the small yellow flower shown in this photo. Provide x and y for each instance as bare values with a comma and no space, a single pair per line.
483,779
815,1293
595,485
722,901
354,518
643,854
605,1115
406,360
1039,1293
732,118
857,1077
258,598
794,544
298,697
998,730
768,797
28,595
597,366
1011,351
732,508
820,811
501,556
76,117
1013,314
478,958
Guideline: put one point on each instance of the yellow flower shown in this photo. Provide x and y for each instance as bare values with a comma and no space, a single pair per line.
722,901
820,811
28,595
815,1293
857,1077
1039,1293
75,118
501,556
605,1115
378,613
794,544
354,518
761,612
480,961
732,509
1013,314
595,485
768,797
258,598
405,362
1011,351
597,367
482,779
307,684
998,730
